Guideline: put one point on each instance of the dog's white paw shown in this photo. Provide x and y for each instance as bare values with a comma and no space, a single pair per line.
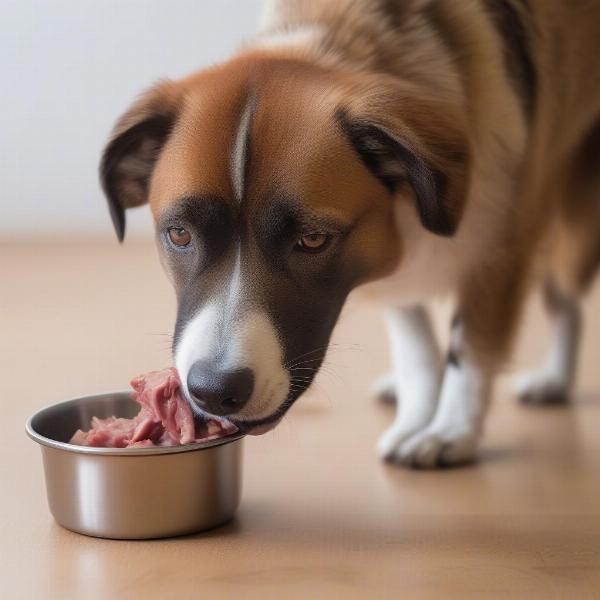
384,389
541,388
391,440
432,448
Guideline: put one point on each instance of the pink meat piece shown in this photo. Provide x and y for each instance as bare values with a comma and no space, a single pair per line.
158,394
165,418
105,433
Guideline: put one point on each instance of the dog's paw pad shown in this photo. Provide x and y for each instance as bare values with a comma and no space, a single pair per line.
384,389
541,389
430,449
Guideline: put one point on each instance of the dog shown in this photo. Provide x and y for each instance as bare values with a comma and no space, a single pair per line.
415,148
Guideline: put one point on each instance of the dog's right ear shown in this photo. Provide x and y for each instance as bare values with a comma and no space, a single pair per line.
403,135
131,153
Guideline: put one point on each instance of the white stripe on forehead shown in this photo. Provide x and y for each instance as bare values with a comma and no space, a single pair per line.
240,152
234,295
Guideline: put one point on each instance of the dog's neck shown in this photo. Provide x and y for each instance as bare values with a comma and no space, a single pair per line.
364,37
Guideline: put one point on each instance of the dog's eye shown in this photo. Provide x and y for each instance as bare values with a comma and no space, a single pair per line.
179,236
313,242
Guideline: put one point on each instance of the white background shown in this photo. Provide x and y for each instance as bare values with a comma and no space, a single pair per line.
68,68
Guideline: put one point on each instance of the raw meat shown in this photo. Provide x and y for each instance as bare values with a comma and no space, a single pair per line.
165,418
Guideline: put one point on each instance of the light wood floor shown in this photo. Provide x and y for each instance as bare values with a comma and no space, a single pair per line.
320,515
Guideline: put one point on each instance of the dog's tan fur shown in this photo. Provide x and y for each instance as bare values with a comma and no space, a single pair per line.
523,184
530,174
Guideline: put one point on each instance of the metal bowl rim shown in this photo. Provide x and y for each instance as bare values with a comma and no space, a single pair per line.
45,441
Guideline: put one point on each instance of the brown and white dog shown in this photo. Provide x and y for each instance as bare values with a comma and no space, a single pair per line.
426,146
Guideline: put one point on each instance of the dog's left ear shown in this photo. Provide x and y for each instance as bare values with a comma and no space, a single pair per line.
132,151
428,154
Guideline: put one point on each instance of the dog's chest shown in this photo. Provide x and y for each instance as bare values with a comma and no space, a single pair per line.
430,266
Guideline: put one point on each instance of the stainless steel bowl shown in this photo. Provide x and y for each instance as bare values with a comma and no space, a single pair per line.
138,492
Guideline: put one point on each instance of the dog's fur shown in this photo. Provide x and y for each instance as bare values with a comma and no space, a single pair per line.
444,147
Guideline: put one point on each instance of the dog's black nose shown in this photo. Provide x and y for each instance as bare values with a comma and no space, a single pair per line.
219,392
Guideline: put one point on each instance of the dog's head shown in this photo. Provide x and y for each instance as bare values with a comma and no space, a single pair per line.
272,185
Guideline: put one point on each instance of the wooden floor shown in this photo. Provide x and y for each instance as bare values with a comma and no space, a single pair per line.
320,515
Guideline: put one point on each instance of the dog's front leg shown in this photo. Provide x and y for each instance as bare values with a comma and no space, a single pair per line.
482,332
452,434
415,377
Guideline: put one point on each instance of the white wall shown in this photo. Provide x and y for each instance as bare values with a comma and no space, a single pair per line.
68,68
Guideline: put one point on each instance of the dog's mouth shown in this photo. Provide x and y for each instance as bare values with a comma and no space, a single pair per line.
254,426
261,426
247,426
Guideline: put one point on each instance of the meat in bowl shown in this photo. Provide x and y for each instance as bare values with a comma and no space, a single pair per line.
165,418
